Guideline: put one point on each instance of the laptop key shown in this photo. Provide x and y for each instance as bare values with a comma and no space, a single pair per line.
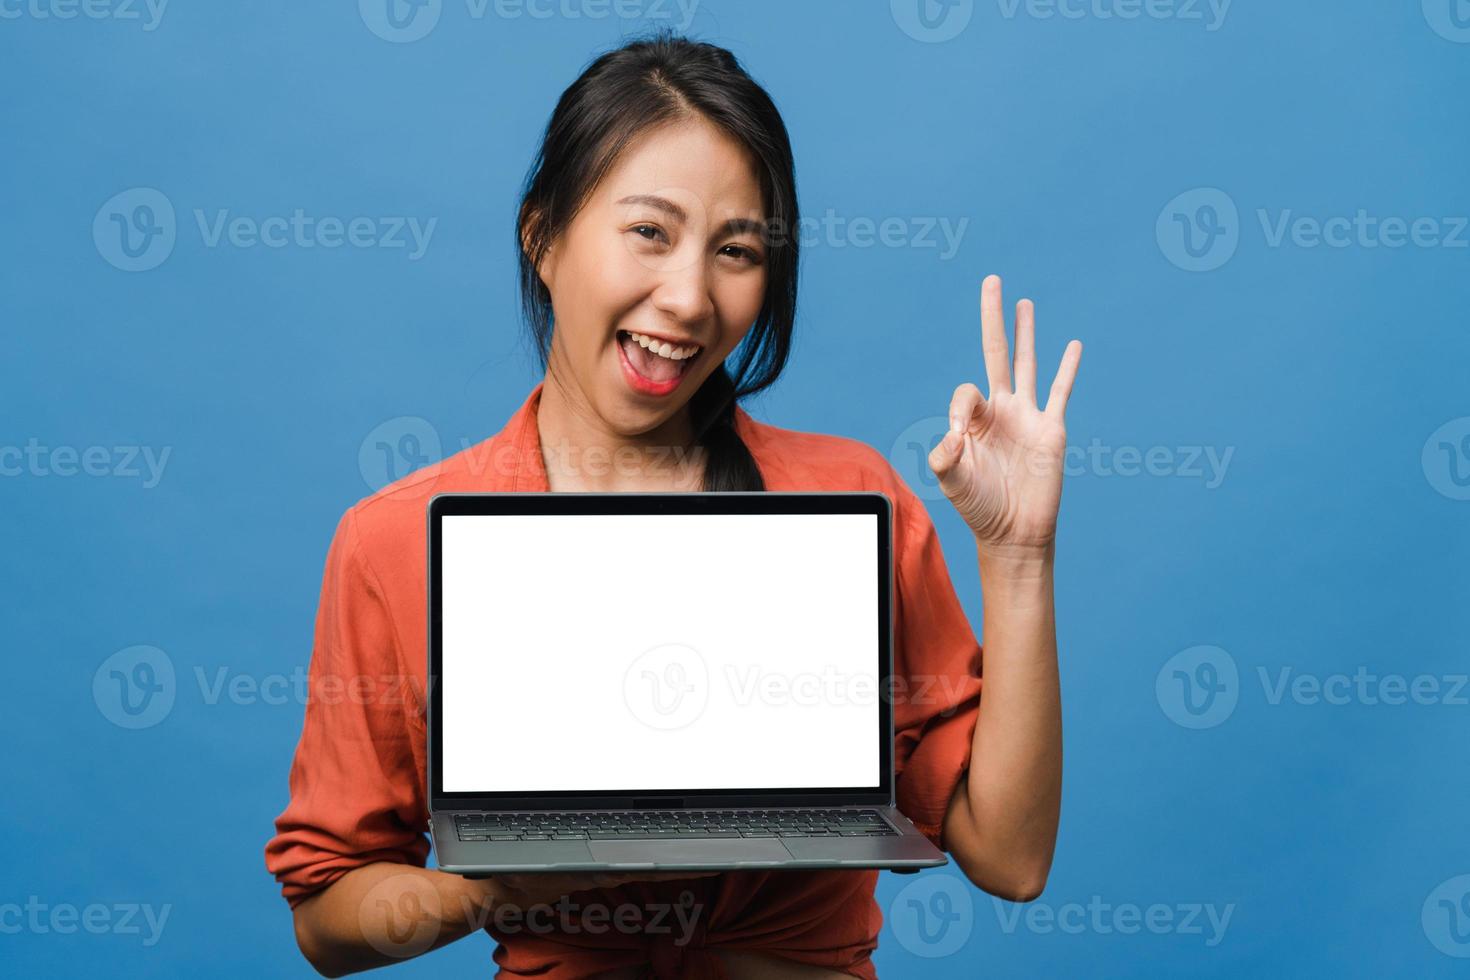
505,836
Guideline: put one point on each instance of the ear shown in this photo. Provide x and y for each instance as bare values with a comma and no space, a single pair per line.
530,223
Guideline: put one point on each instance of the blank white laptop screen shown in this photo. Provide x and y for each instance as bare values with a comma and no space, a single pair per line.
660,652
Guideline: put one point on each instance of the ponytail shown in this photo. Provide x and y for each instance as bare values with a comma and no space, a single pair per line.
728,466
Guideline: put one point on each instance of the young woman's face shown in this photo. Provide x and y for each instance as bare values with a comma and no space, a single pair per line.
668,247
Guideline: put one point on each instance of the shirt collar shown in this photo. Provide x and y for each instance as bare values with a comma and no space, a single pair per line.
530,469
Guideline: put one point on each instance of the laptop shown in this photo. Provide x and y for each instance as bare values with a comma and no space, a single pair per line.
630,682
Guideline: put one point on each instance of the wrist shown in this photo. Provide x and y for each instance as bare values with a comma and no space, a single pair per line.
490,893
1028,556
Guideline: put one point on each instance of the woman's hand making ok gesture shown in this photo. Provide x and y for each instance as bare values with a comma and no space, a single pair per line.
1000,463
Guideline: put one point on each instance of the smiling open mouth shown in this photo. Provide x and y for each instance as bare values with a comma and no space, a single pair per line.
659,364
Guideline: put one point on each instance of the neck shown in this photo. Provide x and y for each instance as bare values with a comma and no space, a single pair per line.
582,452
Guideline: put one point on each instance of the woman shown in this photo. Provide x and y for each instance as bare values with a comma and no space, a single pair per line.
654,240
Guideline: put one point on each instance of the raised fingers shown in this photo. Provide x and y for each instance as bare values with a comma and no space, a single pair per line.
1061,386
1026,351
993,336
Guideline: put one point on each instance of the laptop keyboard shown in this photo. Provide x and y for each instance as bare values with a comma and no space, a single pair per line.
670,824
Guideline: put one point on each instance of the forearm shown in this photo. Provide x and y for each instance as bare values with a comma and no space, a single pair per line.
1002,824
385,913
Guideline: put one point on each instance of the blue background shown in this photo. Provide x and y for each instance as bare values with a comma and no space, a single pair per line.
1334,540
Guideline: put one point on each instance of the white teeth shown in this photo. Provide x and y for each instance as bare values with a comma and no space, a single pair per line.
664,349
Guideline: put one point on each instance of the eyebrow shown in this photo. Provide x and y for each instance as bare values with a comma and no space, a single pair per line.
734,226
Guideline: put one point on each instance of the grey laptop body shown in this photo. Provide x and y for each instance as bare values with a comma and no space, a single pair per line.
624,682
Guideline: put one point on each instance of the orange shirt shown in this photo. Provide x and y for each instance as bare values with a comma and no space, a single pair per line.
358,778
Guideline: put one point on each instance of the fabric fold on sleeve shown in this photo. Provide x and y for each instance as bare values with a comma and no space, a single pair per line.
355,797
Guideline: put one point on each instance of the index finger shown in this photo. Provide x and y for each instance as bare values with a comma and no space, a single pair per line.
993,336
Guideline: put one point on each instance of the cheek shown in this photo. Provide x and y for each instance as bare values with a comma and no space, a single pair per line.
597,280
739,303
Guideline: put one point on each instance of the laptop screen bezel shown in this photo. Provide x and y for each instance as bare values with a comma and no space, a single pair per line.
738,502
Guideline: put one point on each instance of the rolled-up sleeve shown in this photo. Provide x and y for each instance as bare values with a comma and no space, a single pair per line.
355,794
937,670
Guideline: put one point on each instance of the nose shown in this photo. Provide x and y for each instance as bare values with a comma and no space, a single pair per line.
684,292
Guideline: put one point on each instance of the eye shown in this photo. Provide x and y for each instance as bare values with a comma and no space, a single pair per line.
743,252
648,232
